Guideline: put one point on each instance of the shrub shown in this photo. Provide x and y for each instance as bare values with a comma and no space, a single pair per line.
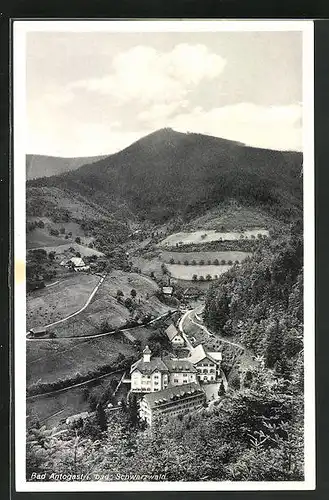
185,262
193,262
62,230
78,239
229,262
54,232
223,262
194,277
172,260
201,278
216,262
208,277
201,262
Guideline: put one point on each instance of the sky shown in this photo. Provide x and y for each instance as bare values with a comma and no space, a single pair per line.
96,93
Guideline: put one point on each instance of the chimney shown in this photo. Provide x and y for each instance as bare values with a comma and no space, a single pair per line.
147,354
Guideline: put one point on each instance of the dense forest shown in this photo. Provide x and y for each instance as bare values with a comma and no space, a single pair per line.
168,173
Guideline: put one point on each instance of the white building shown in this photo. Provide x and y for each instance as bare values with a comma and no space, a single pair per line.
207,364
78,264
155,374
175,336
172,401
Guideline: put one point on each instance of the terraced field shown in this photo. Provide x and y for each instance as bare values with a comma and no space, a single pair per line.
210,235
187,272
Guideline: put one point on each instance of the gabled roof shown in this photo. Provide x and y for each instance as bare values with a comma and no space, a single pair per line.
217,356
77,261
172,331
199,353
179,365
167,289
156,399
155,364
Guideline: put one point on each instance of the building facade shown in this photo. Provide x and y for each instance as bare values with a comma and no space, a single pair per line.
153,374
175,336
171,402
207,364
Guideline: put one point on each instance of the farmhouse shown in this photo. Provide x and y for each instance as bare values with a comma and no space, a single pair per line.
78,264
206,363
172,401
155,374
174,336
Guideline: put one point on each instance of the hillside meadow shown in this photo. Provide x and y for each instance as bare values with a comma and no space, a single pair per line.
55,302
186,272
183,238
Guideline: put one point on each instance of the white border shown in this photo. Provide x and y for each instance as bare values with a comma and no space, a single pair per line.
20,28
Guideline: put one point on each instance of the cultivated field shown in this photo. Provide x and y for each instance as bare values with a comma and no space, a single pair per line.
186,272
48,362
210,235
55,302
205,256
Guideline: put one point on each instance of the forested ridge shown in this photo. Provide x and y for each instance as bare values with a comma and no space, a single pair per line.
168,173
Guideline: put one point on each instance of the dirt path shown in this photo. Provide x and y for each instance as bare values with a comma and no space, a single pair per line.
91,296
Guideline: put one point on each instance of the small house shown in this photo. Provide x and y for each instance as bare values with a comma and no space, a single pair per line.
207,363
38,332
167,291
174,336
78,264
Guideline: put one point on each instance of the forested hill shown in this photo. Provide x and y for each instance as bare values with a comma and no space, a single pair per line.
168,173
260,304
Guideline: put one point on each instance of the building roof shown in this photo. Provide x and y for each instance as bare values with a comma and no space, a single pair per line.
77,261
147,350
217,356
199,353
167,290
172,331
155,364
179,365
156,399
163,365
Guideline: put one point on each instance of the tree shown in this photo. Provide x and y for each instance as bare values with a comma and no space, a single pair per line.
185,262
119,295
133,410
172,260
208,277
194,277
54,232
201,278
51,255
62,230
78,239
216,262
193,262
201,262
221,389
133,293
92,402
223,262
101,417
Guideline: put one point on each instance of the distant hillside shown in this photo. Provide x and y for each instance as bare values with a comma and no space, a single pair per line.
45,166
168,173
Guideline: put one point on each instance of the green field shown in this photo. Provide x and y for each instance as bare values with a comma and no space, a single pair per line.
186,272
205,236
202,255
104,306
50,304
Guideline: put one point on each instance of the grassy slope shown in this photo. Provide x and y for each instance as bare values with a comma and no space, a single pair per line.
63,359
52,303
197,256
58,301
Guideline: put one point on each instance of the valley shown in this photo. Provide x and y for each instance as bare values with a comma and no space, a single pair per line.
123,258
